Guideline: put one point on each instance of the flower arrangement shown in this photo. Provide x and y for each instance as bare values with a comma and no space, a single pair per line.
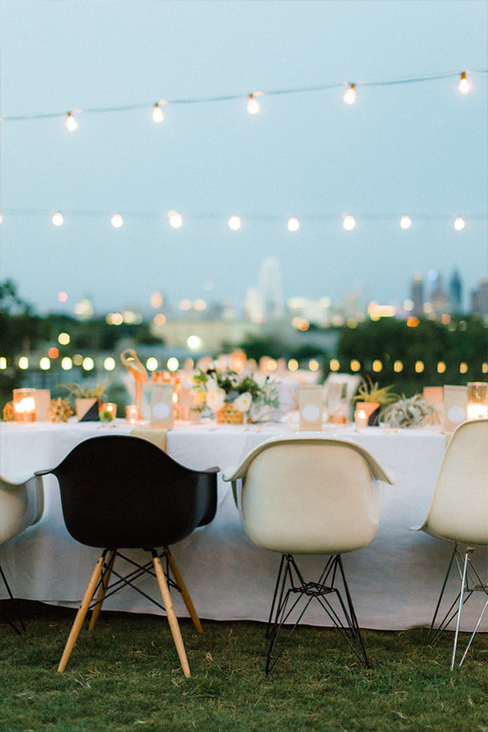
409,412
213,389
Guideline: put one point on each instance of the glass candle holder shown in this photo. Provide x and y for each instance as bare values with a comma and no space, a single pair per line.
107,412
361,418
132,414
477,400
25,405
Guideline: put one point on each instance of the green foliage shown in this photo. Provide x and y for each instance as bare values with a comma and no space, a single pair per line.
371,392
125,676
465,339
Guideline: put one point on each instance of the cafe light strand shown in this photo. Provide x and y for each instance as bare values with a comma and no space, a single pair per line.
252,103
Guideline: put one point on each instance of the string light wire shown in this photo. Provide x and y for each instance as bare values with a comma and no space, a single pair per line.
230,97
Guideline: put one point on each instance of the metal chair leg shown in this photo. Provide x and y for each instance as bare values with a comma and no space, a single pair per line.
14,605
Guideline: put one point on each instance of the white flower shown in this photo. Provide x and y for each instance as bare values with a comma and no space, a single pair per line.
212,384
243,402
216,399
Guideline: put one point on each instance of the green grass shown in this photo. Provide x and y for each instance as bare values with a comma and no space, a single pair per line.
125,677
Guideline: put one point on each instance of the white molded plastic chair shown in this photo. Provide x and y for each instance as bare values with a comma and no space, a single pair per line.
21,505
459,513
310,494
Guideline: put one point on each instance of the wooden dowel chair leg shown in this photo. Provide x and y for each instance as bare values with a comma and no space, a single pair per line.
170,612
184,590
102,590
81,614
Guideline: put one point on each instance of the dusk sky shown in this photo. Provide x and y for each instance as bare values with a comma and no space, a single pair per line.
416,149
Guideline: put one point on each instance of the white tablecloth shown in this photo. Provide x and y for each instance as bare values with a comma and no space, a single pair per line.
394,582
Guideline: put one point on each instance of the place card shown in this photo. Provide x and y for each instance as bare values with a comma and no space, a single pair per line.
310,406
162,407
455,402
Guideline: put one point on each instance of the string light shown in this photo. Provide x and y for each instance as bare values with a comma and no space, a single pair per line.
157,114
252,104
350,95
57,219
117,221
464,85
405,222
293,224
175,219
234,223
71,122
349,223
459,223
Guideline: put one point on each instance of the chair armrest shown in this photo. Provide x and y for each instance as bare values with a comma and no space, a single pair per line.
43,472
215,469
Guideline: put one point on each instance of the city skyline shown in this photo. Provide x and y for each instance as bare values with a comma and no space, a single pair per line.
129,203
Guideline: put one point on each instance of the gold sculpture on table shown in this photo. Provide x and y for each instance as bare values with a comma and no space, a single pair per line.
138,371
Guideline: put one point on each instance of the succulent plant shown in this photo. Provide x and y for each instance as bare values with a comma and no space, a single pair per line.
371,392
408,412
82,392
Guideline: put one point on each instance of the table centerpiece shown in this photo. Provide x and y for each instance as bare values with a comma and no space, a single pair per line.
231,397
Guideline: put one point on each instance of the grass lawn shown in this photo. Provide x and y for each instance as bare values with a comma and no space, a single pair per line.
125,677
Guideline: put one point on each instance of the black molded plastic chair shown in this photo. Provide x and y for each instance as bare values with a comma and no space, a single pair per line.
120,491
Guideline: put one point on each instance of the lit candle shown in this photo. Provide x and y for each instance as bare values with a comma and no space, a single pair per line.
25,405
477,411
477,400
361,418
132,414
107,412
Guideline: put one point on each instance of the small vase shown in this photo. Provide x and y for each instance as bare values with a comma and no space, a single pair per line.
372,410
229,415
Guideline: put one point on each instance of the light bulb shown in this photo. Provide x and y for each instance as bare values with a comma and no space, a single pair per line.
117,221
293,224
405,222
234,223
350,95
349,223
464,85
252,104
157,114
71,122
459,223
57,219
175,219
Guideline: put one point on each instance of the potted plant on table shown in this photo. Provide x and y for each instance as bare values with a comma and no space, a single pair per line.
87,399
372,399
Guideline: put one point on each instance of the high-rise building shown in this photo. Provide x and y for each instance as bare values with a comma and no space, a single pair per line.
455,297
270,288
417,295
479,299
437,294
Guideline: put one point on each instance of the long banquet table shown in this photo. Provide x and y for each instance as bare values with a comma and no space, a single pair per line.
394,582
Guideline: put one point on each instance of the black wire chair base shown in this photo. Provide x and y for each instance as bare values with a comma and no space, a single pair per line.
106,588
470,582
14,605
291,590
